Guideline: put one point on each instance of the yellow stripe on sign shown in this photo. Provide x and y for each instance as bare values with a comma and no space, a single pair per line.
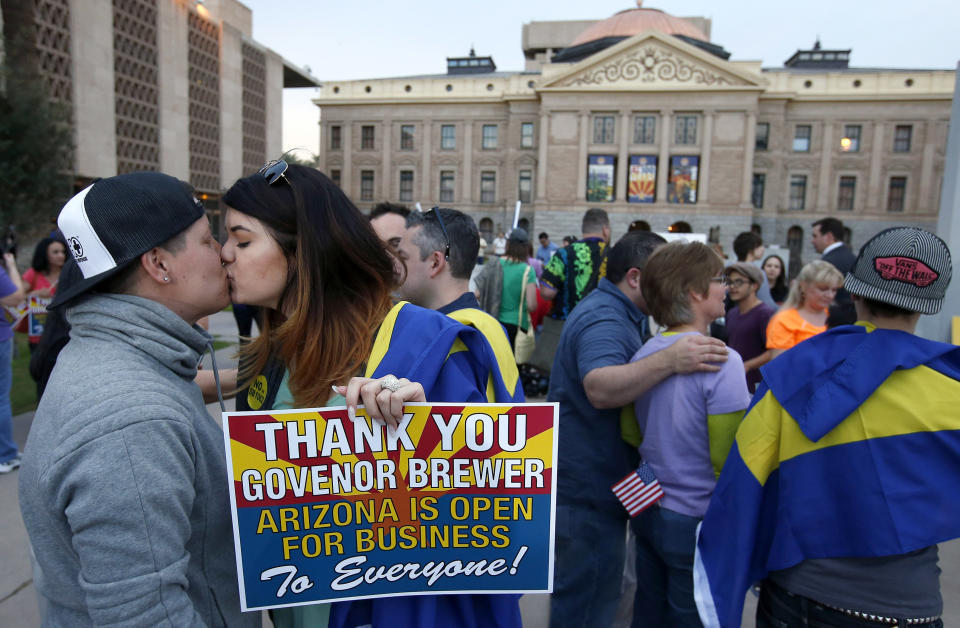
246,457
382,342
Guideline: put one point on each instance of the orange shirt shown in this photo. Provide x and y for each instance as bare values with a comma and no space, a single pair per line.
787,328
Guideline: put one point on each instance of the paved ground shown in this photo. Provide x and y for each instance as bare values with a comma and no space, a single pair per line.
18,600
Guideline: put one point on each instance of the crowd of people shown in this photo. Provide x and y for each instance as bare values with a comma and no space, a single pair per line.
785,450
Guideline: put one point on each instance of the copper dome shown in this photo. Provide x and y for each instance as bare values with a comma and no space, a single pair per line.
632,21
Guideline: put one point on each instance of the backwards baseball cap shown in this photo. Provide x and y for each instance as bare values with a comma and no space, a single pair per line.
751,272
520,235
116,220
907,267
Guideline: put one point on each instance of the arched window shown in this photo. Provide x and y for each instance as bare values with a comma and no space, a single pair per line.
680,227
486,229
795,244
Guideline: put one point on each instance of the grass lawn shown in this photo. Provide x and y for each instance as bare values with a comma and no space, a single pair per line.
23,392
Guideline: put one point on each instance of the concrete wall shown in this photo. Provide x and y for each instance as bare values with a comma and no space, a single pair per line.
231,105
274,105
174,91
91,41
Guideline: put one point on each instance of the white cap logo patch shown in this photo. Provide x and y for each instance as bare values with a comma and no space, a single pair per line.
92,256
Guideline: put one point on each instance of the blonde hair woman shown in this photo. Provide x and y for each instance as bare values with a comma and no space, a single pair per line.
804,313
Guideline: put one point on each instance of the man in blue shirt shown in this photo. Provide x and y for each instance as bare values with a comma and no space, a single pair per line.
546,249
592,379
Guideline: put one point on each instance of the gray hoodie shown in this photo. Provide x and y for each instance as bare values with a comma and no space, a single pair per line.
124,484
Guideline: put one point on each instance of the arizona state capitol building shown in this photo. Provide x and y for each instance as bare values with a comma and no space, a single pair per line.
642,115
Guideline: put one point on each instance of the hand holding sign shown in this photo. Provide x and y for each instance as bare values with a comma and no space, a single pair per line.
383,398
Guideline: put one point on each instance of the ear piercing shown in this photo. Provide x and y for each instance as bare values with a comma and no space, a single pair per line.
165,278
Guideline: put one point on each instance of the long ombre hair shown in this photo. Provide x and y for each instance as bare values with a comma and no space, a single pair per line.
339,281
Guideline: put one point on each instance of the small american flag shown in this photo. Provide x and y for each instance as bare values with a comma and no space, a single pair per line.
639,490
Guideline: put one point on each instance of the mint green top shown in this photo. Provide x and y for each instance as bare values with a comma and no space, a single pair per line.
284,400
512,296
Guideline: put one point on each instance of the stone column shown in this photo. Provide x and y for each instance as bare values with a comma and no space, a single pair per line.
542,161
582,157
387,191
746,190
826,158
623,158
876,160
703,185
346,172
426,151
663,161
926,196
467,189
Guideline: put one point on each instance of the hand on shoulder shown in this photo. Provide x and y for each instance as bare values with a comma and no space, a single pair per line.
693,353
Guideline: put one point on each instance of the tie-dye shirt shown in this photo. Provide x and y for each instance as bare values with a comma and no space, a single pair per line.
573,272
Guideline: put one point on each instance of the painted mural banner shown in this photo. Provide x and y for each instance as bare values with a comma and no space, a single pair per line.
683,179
458,499
600,176
642,183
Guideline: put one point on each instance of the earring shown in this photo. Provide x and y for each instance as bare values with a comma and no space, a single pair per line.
165,278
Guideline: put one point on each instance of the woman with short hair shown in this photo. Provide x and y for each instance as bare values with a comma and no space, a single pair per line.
688,423
804,313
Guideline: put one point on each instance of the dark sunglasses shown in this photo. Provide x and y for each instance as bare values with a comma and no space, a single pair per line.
436,212
274,170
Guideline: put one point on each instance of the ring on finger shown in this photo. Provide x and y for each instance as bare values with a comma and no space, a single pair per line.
391,383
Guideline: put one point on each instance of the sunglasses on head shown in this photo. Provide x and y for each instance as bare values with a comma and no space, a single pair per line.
274,170
436,212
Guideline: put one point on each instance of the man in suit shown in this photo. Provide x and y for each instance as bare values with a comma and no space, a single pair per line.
827,239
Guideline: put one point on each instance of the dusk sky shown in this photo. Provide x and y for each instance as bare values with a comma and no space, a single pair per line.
375,39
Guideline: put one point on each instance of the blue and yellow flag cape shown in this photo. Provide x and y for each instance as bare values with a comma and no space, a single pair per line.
850,448
492,330
454,363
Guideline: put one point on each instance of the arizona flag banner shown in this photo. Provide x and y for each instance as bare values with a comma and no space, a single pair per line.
457,499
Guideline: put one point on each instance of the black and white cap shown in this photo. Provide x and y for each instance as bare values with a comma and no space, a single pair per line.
907,267
116,220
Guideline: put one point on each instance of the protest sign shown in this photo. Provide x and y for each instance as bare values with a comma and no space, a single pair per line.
458,499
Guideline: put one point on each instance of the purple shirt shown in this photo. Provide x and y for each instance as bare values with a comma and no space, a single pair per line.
7,287
673,420
747,335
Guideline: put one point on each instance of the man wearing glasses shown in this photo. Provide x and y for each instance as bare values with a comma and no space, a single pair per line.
439,248
748,318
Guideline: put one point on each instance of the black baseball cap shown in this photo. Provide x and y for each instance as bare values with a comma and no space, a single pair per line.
113,222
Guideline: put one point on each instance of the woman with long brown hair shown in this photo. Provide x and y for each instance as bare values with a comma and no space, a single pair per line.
298,248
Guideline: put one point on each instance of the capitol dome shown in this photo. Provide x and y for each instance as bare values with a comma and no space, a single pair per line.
633,21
